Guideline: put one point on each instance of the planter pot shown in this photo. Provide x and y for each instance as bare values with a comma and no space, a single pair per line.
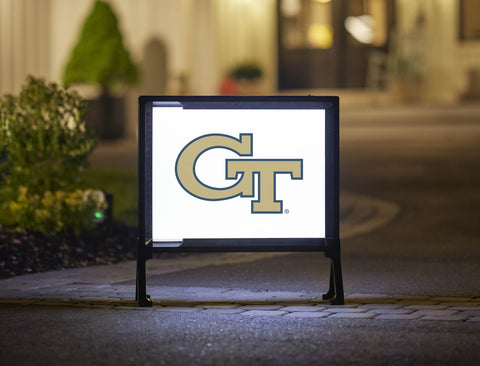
106,116
248,87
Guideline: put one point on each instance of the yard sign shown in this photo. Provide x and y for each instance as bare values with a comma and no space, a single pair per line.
238,174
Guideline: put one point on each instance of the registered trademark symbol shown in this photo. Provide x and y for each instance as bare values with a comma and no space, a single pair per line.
287,211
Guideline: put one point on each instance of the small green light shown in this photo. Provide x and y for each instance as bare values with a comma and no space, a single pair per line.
99,215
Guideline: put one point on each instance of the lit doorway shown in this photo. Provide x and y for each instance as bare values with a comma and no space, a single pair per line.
327,43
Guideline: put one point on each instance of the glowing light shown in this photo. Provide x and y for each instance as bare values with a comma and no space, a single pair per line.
291,8
361,28
320,36
99,215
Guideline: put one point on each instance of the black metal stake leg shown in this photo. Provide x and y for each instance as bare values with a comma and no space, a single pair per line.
331,288
141,291
336,270
335,289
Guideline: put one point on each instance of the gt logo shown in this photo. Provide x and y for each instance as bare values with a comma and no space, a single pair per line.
244,169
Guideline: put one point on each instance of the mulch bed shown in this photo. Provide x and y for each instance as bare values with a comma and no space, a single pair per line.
28,252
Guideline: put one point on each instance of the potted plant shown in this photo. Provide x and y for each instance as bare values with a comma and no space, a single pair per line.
100,58
243,79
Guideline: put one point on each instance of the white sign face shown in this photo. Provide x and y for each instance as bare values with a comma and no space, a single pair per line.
237,173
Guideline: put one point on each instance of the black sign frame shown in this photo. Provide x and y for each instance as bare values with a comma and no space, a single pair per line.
330,245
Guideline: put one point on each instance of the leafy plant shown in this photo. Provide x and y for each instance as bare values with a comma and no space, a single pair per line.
100,57
44,146
247,71
44,138
57,211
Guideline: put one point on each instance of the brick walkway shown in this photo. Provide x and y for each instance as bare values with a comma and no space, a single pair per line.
459,309
113,287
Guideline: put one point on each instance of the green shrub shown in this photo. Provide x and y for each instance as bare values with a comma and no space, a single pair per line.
44,138
44,148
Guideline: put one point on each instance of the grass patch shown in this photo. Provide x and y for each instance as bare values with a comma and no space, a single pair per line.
122,183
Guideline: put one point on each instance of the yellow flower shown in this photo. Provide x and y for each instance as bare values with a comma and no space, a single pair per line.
14,206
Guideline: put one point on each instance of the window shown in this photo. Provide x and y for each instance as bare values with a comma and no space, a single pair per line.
470,20
306,24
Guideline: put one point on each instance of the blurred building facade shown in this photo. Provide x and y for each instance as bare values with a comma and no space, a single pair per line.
425,50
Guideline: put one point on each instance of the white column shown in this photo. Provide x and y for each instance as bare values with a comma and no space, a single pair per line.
439,31
440,85
24,42
67,18
43,34
204,78
6,46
